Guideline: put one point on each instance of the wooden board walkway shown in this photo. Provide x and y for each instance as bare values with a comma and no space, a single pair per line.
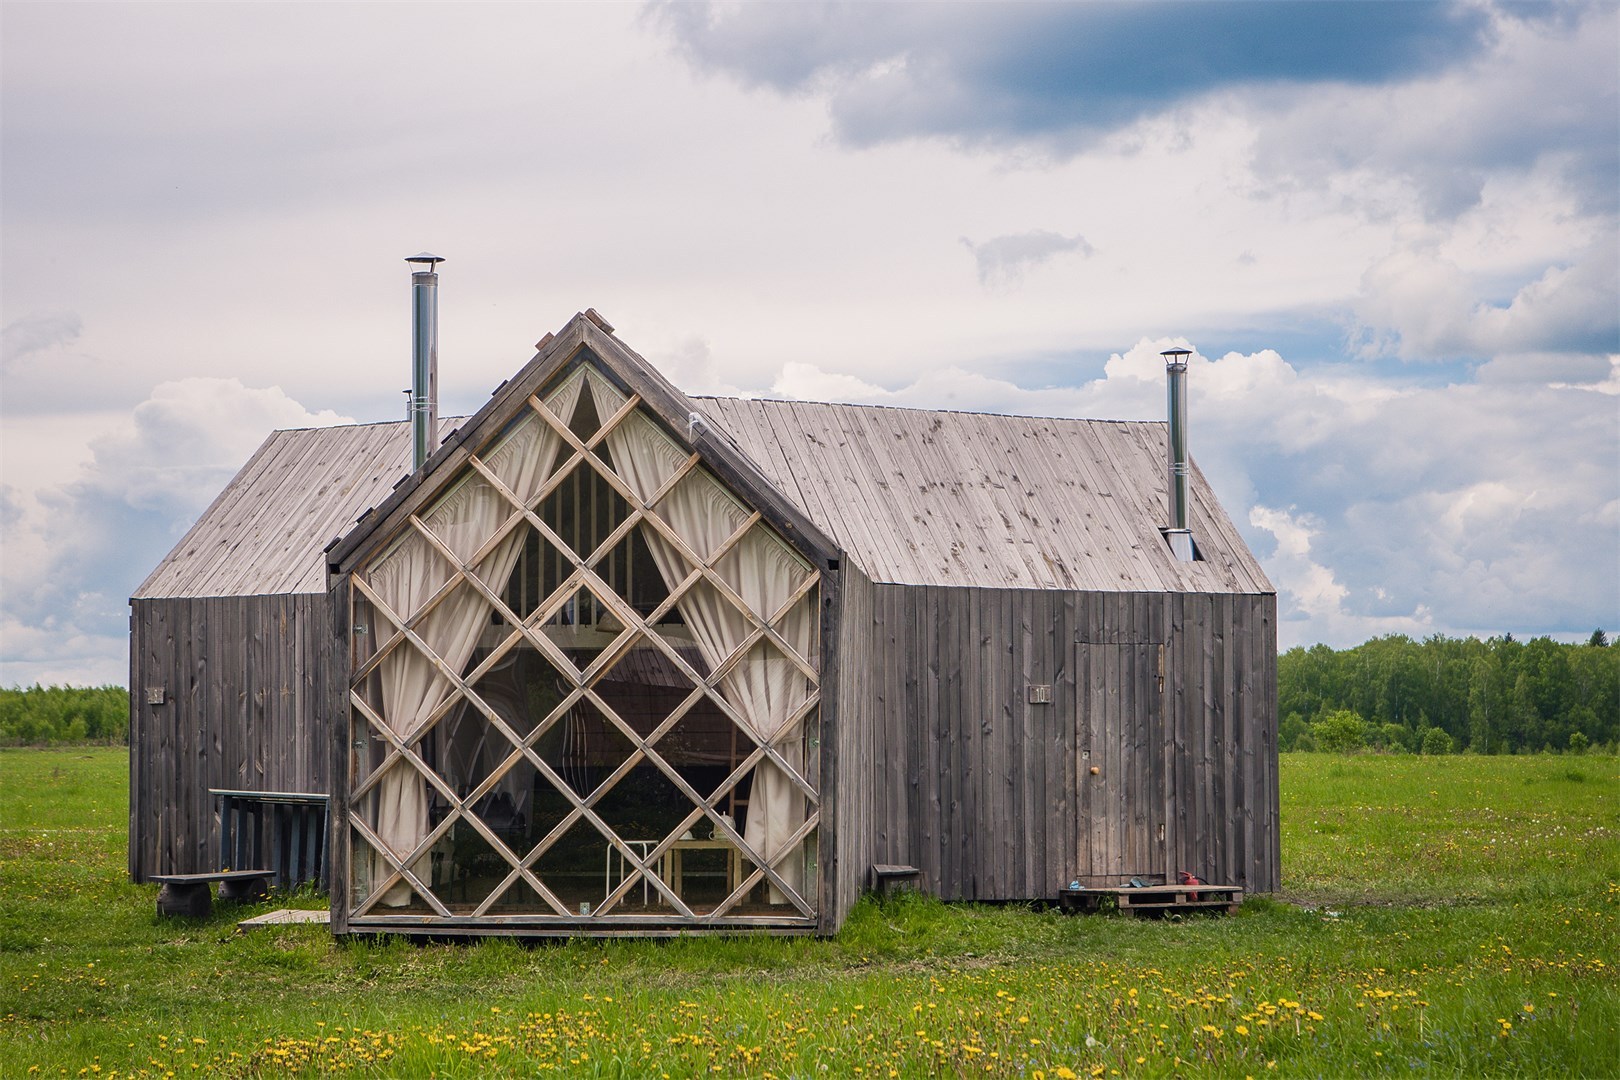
287,917
1155,899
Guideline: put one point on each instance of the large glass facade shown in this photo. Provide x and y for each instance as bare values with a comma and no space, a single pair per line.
585,686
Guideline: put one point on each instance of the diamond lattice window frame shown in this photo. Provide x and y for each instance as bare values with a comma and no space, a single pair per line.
643,863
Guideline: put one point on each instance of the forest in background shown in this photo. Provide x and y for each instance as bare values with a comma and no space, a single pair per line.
1438,695
40,715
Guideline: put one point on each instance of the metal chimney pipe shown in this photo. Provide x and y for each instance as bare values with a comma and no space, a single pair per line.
424,390
1177,533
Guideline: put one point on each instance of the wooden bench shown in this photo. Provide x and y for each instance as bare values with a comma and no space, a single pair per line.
1155,899
191,895
885,878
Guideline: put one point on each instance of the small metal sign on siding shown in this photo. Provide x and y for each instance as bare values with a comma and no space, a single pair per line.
1040,693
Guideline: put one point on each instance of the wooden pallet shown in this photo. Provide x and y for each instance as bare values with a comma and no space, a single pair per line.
1155,899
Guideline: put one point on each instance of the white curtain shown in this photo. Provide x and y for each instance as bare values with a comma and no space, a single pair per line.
464,519
766,688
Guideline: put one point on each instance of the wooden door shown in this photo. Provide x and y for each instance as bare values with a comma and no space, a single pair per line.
1121,771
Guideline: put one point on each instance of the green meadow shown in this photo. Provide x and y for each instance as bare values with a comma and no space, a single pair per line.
1448,916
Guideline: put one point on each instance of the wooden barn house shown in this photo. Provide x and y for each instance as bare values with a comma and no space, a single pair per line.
618,660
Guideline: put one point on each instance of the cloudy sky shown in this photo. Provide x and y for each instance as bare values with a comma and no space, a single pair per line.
1389,232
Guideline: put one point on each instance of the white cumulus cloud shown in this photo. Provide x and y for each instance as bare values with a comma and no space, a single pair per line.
1377,506
75,551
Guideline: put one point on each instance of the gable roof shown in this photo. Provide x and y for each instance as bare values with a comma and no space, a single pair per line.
587,338
912,496
921,497
264,533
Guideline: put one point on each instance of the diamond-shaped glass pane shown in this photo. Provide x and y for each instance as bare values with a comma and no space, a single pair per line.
644,685
681,640
776,808
453,632
465,749
576,867
524,569
643,454
711,627
583,748
805,741
366,744
645,806
404,577
628,569
548,807
523,688
767,689
506,807
467,515
584,509
764,898
703,872
522,456
367,632
398,804
643,895
800,627
469,868
763,570
705,746
702,512
370,870
365,873
581,626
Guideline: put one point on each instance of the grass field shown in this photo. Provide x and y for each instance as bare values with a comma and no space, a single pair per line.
1451,916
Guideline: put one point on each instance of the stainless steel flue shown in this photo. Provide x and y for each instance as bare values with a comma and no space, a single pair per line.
1178,531
424,357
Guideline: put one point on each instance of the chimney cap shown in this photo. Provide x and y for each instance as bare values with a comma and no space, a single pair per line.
424,257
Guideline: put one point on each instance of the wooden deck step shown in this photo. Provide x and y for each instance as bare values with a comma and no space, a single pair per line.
884,878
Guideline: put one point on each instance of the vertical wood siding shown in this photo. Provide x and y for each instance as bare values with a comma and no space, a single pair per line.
940,762
849,783
242,678
993,798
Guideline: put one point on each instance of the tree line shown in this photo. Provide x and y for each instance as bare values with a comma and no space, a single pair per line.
1496,696
50,714
1438,695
